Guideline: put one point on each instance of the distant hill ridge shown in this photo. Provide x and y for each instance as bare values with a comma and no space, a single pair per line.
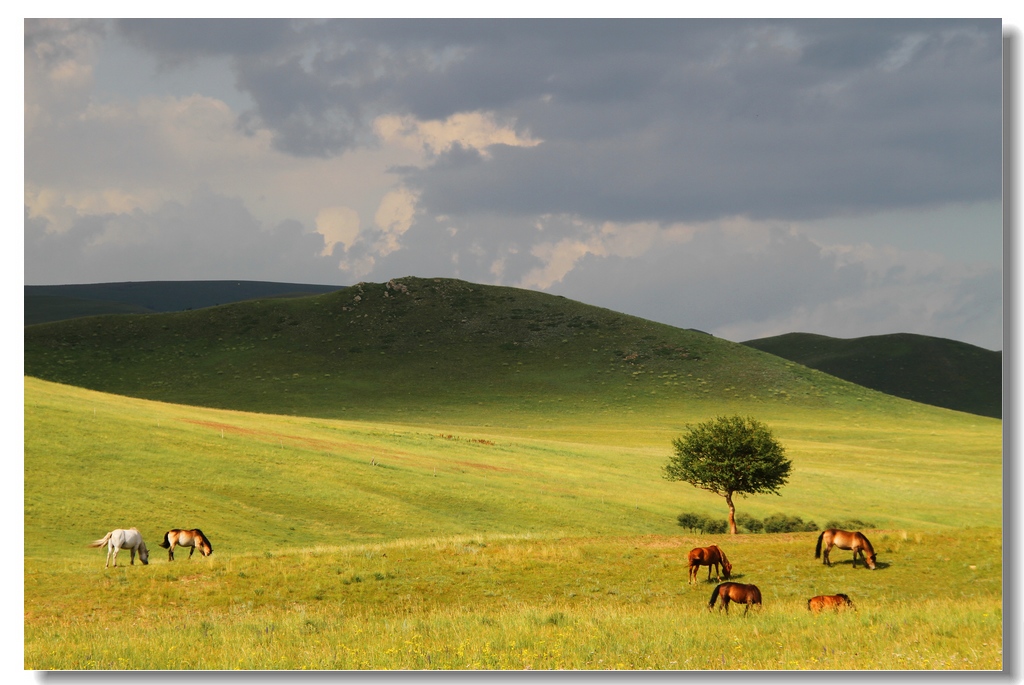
45,303
936,371
444,340
420,346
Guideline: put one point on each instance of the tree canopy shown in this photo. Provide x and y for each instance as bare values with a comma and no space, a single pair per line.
727,456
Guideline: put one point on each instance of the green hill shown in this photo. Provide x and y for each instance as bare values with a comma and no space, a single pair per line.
421,348
45,303
474,480
936,371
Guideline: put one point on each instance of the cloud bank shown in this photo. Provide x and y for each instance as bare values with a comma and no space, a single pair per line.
674,169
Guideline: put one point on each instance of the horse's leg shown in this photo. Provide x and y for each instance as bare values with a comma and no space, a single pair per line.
191,551
109,550
131,550
824,556
170,552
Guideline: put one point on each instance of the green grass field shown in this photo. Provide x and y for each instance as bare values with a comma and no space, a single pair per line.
528,534
433,474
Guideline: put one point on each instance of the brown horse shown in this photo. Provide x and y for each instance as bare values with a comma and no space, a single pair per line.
844,539
708,556
186,538
834,602
735,592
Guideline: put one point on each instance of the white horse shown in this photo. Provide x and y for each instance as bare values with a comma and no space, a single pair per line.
116,539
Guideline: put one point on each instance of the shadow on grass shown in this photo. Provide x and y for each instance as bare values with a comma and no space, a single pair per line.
860,565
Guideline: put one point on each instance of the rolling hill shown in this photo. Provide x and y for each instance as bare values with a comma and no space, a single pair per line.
936,371
434,474
421,348
44,303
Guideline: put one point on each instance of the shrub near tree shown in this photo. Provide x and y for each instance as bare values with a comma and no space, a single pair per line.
780,523
702,524
749,523
728,456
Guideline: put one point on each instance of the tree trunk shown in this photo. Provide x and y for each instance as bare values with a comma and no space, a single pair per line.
732,514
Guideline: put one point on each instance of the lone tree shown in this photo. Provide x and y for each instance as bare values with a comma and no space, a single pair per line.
729,455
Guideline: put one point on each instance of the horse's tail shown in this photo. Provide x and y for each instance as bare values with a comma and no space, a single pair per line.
167,542
714,596
817,550
102,541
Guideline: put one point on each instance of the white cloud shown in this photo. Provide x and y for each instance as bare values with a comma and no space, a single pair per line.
393,218
476,130
338,225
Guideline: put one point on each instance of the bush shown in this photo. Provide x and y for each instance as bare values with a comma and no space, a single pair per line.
749,523
689,521
780,523
849,524
702,524
714,526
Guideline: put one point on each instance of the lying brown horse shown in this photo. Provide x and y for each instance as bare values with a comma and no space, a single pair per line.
735,592
844,539
834,602
186,538
708,556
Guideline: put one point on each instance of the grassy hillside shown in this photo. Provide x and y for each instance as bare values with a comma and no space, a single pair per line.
354,544
447,475
45,308
45,303
424,350
259,479
936,371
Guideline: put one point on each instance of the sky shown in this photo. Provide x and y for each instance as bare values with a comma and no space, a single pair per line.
744,178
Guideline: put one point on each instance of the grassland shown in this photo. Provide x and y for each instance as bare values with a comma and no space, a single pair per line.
353,544
522,602
442,475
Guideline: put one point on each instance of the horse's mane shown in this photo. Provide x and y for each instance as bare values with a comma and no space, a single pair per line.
867,542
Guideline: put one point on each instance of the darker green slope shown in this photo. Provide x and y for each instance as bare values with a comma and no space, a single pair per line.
414,347
45,308
935,371
45,303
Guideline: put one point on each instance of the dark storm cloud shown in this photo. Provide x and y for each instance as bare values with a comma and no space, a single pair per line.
189,38
663,120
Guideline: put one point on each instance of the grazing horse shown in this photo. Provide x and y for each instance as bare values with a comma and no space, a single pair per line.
708,556
834,602
186,538
844,539
735,592
130,539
